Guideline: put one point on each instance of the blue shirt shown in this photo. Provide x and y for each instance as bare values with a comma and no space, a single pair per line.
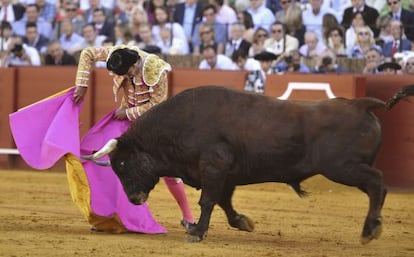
189,14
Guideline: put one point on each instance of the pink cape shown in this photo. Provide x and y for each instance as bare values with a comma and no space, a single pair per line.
48,130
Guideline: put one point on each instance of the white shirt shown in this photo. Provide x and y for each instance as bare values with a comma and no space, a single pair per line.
262,17
176,47
226,15
177,31
222,63
17,61
314,22
10,13
251,65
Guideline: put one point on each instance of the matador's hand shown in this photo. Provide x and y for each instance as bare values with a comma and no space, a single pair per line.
120,114
79,94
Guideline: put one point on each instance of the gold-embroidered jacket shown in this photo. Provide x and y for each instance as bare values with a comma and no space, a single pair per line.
148,88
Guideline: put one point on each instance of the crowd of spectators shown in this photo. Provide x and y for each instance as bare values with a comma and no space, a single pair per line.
226,34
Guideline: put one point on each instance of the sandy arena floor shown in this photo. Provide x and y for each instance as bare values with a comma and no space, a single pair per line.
38,218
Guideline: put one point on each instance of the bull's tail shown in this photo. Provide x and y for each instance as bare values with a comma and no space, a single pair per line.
403,93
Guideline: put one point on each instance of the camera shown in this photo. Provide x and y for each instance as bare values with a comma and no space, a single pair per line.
326,61
289,59
17,48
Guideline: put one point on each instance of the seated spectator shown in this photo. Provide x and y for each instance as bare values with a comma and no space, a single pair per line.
91,36
124,12
280,42
70,11
88,6
335,39
292,62
243,61
138,17
10,11
237,42
358,21
389,68
5,36
220,30
69,39
405,16
57,56
32,15
384,26
365,40
213,60
145,34
312,47
123,35
281,14
373,58
369,13
259,37
245,18
225,14
262,16
34,39
171,45
256,80
162,20
47,10
20,54
207,38
329,21
313,17
399,43
103,24
294,23
408,63
326,63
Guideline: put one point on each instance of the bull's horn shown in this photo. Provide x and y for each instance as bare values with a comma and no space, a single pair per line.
102,163
106,149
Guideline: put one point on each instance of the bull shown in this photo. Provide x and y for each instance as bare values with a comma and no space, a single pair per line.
215,139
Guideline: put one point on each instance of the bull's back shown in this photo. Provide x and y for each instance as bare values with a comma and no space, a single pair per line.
263,131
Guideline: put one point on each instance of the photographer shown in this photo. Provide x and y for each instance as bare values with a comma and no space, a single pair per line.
19,54
291,62
326,63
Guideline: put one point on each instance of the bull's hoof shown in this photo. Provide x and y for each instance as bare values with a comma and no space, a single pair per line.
195,238
245,223
375,232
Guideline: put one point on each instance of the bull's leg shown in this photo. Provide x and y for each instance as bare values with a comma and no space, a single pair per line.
370,181
235,219
215,163
210,193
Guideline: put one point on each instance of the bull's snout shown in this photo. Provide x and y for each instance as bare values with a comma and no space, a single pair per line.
138,199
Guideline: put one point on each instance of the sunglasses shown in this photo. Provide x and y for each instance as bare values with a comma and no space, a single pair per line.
261,35
334,35
410,64
285,2
363,33
205,32
274,31
71,10
393,2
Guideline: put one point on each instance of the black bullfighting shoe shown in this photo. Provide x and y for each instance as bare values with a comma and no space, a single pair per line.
187,225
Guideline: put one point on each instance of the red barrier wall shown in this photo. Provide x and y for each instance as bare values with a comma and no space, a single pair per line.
24,86
7,99
396,157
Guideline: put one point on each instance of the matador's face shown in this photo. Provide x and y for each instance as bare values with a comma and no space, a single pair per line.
134,69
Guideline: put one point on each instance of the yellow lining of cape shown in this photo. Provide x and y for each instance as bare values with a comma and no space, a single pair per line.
81,196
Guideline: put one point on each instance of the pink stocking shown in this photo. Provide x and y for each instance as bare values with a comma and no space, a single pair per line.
176,188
